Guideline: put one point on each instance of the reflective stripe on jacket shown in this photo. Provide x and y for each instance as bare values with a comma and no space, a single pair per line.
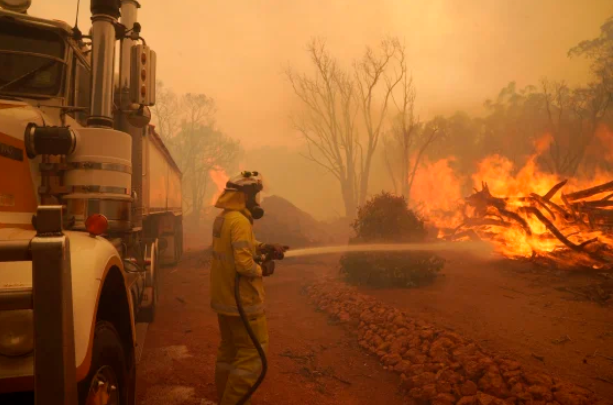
234,248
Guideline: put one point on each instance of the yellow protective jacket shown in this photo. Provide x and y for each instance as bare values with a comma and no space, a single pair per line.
234,248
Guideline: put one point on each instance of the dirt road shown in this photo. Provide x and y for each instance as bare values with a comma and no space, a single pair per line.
311,361
502,306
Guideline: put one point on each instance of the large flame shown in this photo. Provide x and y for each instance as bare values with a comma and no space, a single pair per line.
220,178
516,209
437,193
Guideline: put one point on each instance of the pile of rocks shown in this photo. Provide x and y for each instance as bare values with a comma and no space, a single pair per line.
438,366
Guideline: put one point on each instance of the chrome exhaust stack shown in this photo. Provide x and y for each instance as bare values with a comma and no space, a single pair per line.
129,16
105,14
129,19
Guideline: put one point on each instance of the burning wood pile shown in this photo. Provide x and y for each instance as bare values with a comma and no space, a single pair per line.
567,231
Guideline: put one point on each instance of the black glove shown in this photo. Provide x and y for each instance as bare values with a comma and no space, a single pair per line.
268,268
276,249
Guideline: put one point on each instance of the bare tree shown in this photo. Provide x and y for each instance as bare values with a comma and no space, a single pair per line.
328,120
429,134
409,139
399,145
371,71
333,99
390,158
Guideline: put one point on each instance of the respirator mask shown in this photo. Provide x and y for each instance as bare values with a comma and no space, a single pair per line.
253,205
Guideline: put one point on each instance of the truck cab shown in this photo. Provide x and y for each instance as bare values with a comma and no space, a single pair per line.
67,139
45,66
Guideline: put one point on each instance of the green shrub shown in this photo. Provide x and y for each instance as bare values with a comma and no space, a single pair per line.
385,218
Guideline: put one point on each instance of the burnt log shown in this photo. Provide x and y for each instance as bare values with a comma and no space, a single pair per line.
589,192
554,190
598,203
543,203
552,228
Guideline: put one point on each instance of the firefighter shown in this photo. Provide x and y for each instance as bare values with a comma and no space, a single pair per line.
234,247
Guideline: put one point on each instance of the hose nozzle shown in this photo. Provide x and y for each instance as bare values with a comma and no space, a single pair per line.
273,252
277,255
269,257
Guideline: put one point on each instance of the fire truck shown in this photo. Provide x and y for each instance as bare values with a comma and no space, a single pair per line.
90,205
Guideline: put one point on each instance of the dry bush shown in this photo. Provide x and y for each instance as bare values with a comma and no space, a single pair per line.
385,218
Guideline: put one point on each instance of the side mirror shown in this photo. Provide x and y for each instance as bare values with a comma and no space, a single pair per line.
139,116
142,75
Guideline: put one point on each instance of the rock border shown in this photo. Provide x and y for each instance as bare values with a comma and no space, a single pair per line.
438,366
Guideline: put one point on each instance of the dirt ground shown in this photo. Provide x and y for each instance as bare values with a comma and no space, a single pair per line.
310,360
517,310
504,306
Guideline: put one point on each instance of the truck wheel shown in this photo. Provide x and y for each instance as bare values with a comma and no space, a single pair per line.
108,381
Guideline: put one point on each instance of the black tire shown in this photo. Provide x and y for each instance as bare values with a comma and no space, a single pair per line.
108,363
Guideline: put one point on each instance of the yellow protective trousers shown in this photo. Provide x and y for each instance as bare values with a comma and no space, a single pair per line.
238,362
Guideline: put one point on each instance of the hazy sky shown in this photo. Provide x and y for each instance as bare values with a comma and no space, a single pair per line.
460,51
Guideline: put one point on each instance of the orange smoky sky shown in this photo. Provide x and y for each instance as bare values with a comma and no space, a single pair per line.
460,51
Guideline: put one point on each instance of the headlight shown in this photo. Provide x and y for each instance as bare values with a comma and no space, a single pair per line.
16,332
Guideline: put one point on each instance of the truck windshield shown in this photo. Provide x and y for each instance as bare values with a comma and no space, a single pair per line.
31,60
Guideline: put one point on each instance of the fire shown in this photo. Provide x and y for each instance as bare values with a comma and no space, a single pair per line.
436,193
602,144
220,178
524,212
502,178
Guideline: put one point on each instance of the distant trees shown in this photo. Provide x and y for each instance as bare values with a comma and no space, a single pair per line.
571,117
186,123
600,51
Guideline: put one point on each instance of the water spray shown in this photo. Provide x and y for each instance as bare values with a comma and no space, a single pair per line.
481,249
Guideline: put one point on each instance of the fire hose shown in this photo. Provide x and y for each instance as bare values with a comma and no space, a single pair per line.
269,256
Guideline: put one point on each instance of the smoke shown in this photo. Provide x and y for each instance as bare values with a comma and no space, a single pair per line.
460,53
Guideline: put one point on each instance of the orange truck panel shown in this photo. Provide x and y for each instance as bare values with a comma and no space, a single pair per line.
16,191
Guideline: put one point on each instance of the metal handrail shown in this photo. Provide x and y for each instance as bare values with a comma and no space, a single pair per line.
50,298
